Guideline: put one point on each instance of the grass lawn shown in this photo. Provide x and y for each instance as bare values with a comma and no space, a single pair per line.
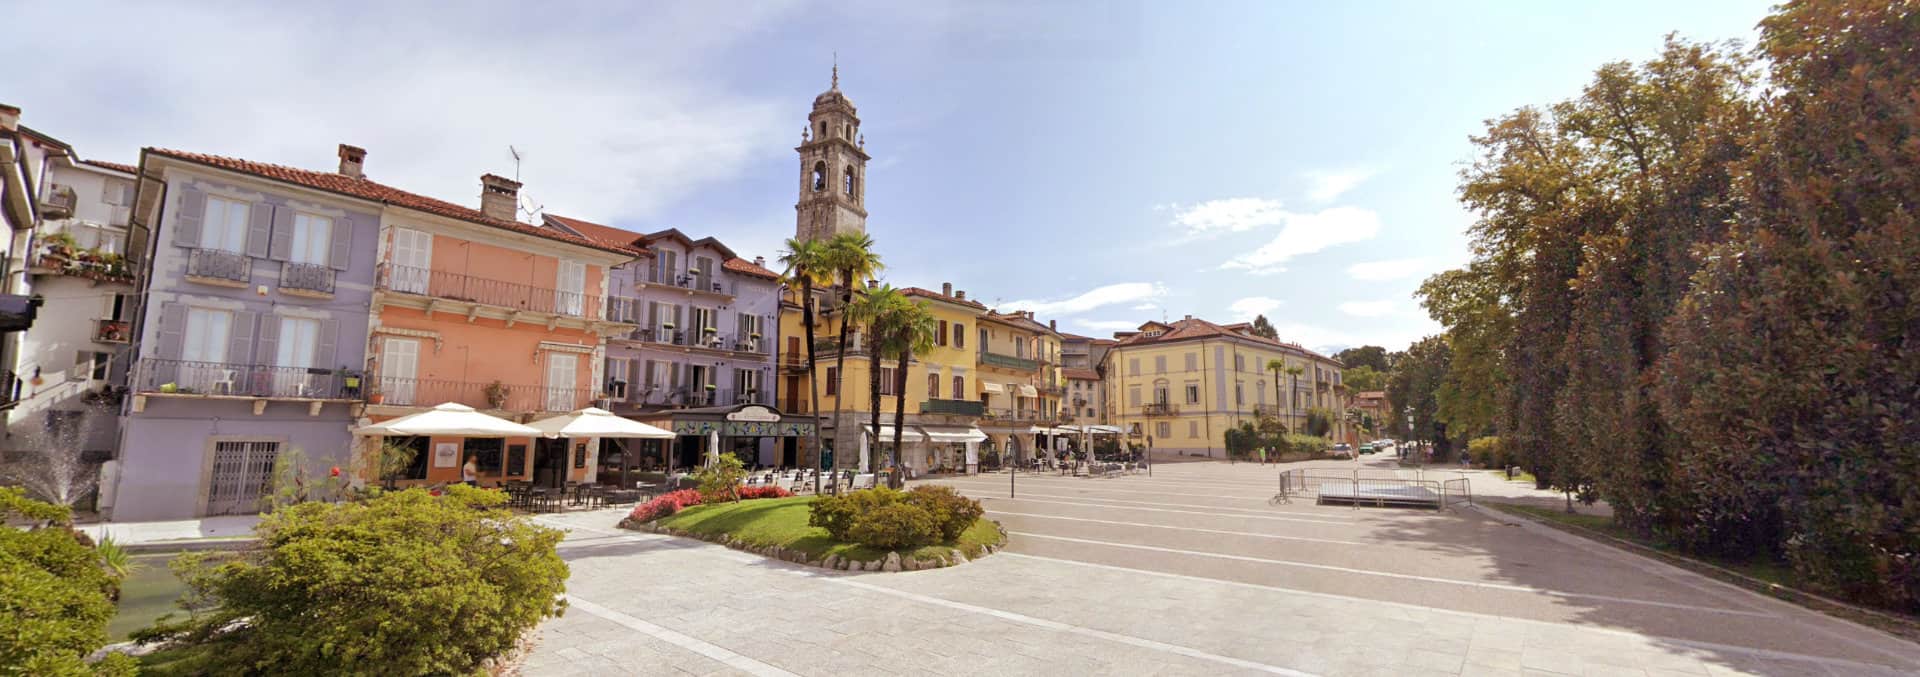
1777,573
783,522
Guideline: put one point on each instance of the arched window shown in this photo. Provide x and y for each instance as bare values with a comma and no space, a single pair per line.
819,176
823,129
849,180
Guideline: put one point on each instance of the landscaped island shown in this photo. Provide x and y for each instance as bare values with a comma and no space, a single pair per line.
870,530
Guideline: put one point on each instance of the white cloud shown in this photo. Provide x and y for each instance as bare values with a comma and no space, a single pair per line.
1368,308
1109,325
1306,234
1391,269
1245,309
1145,306
1328,185
612,126
1230,215
1113,294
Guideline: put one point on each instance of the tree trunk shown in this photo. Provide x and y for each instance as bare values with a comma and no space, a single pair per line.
873,392
813,372
840,369
897,478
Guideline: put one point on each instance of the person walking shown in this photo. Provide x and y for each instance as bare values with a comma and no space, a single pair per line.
470,473
1263,456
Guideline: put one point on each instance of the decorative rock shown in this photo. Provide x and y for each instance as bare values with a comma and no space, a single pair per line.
911,564
892,563
832,562
959,557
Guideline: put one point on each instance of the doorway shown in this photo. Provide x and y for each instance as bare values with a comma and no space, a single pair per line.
549,462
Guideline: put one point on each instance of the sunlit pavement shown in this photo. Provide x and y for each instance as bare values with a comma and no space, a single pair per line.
1190,571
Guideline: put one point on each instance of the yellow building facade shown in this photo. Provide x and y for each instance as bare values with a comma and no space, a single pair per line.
1020,384
1177,387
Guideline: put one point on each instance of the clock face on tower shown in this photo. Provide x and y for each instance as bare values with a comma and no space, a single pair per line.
833,164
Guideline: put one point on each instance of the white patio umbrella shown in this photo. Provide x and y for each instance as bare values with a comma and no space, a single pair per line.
449,419
597,422
713,447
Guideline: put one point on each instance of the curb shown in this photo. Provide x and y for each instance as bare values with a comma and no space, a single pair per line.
1904,628
893,562
196,545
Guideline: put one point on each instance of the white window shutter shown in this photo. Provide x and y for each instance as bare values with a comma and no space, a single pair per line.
341,255
187,221
259,230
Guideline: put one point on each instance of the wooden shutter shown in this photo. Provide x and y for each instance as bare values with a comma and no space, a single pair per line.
940,338
646,376
187,221
260,230
281,247
240,338
341,255
173,331
325,344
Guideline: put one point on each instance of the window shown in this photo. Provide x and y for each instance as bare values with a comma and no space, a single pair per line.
820,168
569,295
312,239
1193,393
849,181
1159,364
225,227
933,386
412,259
1193,362
702,321
959,335
485,452
1133,366
89,365
616,370
206,335
1239,395
1133,396
298,336
1193,429
887,384
1089,412
1160,393
940,337
399,360
563,370
959,386
117,307
1164,429
833,381
1239,362
580,455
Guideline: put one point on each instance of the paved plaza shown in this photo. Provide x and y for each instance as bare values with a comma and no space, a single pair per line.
1190,571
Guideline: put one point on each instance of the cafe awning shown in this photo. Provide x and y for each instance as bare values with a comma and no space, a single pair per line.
908,434
595,422
452,420
955,434
1028,391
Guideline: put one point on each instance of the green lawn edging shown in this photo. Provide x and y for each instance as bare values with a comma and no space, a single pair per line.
1901,626
777,528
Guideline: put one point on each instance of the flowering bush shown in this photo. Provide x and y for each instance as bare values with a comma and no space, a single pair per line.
747,493
664,505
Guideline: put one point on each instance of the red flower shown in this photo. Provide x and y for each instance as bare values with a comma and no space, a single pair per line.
336,471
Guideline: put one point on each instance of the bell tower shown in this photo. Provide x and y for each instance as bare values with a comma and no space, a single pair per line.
833,169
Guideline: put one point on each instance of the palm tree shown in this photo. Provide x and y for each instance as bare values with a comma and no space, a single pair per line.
1276,366
874,311
805,265
848,259
913,330
1294,411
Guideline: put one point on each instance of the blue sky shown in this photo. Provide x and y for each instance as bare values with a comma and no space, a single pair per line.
1102,163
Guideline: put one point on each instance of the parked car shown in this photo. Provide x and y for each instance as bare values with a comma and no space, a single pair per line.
1342,450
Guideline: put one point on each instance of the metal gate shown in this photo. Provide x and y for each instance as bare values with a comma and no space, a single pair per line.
242,472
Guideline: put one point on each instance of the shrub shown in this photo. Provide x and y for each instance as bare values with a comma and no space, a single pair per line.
665,504
952,513
894,526
403,583
1486,452
748,493
1295,443
721,481
55,597
836,514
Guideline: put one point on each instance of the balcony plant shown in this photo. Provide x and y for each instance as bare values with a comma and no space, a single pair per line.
496,393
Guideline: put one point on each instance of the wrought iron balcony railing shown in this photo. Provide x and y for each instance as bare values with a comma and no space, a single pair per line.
182,377
214,264
112,331
1008,361
1159,409
310,277
497,293
953,407
426,392
694,396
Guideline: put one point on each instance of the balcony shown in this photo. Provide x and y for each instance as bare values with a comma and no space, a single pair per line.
180,377
427,392
92,264
112,331
213,266
309,279
691,396
733,343
58,203
480,291
992,359
1274,410
1021,415
694,283
1159,409
1054,389
625,309
953,407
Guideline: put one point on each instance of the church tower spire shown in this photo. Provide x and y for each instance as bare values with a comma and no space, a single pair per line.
833,168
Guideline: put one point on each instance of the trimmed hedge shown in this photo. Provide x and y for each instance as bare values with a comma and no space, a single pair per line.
886,519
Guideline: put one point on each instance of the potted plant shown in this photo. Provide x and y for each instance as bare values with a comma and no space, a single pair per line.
755,336
709,330
496,395
667,326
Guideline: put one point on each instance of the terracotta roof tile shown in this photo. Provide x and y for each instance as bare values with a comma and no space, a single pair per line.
607,234
1080,373
1372,395
927,293
368,189
1191,329
115,166
745,267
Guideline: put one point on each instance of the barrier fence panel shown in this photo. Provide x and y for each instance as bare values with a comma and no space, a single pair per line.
1454,492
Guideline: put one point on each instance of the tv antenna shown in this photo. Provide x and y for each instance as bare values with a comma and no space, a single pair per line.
516,162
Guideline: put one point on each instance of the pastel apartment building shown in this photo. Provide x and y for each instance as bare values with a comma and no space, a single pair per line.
705,338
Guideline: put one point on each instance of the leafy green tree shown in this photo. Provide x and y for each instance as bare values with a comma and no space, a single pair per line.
1365,356
1413,392
1363,378
720,481
1261,327
56,595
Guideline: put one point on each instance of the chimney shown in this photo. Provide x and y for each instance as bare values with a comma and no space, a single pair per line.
873,284
1189,318
1053,324
9,117
353,161
946,289
760,261
962,295
499,197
